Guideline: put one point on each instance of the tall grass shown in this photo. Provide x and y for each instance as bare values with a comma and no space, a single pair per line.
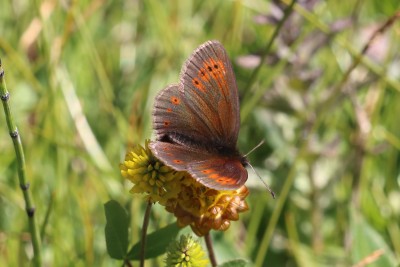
83,76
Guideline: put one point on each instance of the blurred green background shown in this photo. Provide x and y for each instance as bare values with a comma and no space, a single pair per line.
83,76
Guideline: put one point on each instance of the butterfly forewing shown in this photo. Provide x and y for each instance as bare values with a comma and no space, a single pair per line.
204,107
173,118
210,89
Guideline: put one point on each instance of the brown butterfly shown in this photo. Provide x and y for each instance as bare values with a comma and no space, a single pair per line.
197,121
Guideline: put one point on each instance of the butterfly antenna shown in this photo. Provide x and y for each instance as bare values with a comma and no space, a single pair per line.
267,186
254,148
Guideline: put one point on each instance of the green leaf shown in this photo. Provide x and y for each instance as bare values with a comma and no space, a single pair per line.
156,243
116,230
367,242
234,263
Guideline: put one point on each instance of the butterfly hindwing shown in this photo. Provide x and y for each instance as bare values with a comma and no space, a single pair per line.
176,156
218,172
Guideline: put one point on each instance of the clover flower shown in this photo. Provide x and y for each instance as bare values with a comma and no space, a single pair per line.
204,208
192,203
149,175
186,252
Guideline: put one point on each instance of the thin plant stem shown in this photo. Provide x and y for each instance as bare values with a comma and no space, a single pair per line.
47,216
316,213
24,185
210,249
265,52
127,263
283,195
251,100
144,233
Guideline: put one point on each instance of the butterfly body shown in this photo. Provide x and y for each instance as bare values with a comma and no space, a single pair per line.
197,121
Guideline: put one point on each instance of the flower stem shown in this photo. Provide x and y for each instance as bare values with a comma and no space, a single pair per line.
127,263
144,233
24,185
210,249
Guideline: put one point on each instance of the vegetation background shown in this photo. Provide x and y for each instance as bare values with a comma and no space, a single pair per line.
83,76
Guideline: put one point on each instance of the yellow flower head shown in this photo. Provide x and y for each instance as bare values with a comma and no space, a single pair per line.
192,203
149,175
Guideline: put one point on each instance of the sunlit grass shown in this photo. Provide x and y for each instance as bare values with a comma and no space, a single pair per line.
83,76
